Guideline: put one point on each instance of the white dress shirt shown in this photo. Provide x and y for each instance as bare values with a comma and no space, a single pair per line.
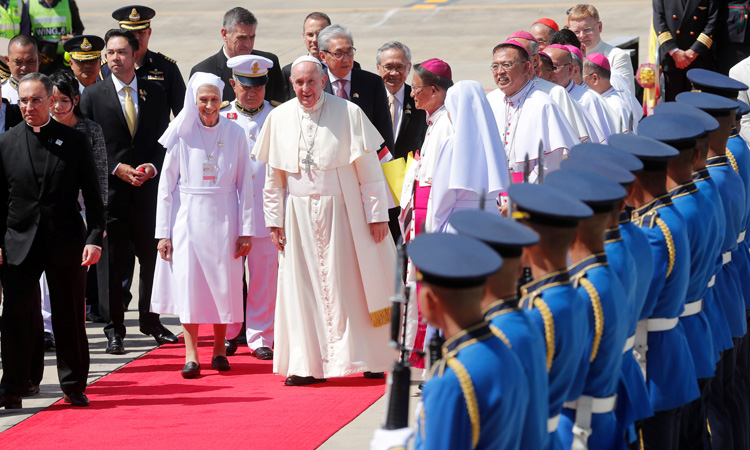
119,85
347,87
399,107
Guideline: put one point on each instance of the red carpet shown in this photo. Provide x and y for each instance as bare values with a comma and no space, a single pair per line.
148,405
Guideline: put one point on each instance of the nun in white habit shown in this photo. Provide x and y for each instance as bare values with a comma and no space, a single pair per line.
204,220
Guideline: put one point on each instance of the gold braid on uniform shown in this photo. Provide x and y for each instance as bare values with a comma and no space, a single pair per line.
596,305
670,243
13,82
471,399
732,161
664,37
248,111
499,333
705,40
549,329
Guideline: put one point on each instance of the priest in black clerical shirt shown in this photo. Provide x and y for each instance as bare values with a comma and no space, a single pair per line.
43,164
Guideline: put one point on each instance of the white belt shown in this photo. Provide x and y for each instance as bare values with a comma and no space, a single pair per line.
552,423
712,281
662,324
598,405
741,237
629,344
726,257
692,308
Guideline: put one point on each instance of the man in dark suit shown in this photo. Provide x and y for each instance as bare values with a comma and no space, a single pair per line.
362,88
133,114
686,32
314,23
43,164
238,32
407,122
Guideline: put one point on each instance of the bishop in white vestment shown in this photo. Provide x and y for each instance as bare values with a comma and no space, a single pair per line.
325,200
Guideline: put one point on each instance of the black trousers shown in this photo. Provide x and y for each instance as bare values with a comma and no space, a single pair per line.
136,229
22,322
719,415
662,430
693,428
675,80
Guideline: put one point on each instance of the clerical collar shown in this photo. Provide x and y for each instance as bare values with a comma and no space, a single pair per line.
464,338
13,83
658,202
612,234
571,86
594,260
39,128
518,97
701,175
247,111
501,306
552,279
683,189
432,118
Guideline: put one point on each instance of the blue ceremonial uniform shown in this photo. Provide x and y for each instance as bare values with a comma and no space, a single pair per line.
609,312
670,372
560,313
739,158
473,396
527,342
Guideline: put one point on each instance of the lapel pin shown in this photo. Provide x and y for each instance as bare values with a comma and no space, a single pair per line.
58,142
355,95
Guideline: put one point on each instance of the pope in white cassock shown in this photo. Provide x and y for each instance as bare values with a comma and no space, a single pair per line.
204,220
325,201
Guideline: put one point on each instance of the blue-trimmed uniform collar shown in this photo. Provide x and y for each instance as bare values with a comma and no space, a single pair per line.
720,160
701,175
683,189
475,333
658,202
613,234
593,260
550,280
501,305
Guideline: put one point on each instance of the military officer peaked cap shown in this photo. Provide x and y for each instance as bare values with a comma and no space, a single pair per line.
601,165
507,237
709,123
678,130
743,109
85,47
134,17
250,70
593,189
600,151
715,83
546,205
713,104
452,260
652,153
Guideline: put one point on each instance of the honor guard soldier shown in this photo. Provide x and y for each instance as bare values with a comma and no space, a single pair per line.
553,303
621,242
85,58
249,110
660,340
681,132
478,388
152,66
588,419
500,308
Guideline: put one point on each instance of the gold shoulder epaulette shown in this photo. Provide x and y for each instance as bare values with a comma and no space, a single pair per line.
470,396
224,104
670,243
104,60
274,103
596,305
167,58
647,220
733,161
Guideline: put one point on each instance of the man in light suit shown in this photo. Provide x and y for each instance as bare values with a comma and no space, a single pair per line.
43,164
360,87
133,114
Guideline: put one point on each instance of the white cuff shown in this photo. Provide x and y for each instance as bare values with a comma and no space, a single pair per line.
273,207
375,201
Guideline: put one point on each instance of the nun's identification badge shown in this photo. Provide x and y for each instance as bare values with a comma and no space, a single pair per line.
209,171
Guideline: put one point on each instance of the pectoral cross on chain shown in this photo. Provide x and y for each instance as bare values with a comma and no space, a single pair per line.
309,161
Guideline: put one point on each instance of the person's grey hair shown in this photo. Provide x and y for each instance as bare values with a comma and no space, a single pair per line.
333,31
599,70
238,16
576,61
393,45
40,77
534,47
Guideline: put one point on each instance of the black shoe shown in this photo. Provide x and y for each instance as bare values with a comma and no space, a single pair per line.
191,370
231,346
374,375
49,341
294,380
160,333
31,391
76,399
10,401
115,346
421,385
263,353
220,363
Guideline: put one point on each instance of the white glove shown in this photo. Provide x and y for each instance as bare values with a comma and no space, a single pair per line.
391,439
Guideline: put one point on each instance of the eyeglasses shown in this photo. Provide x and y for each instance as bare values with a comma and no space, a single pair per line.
33,101
589,75
339,55
398,68
505,66
416,90
587,30
556,68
